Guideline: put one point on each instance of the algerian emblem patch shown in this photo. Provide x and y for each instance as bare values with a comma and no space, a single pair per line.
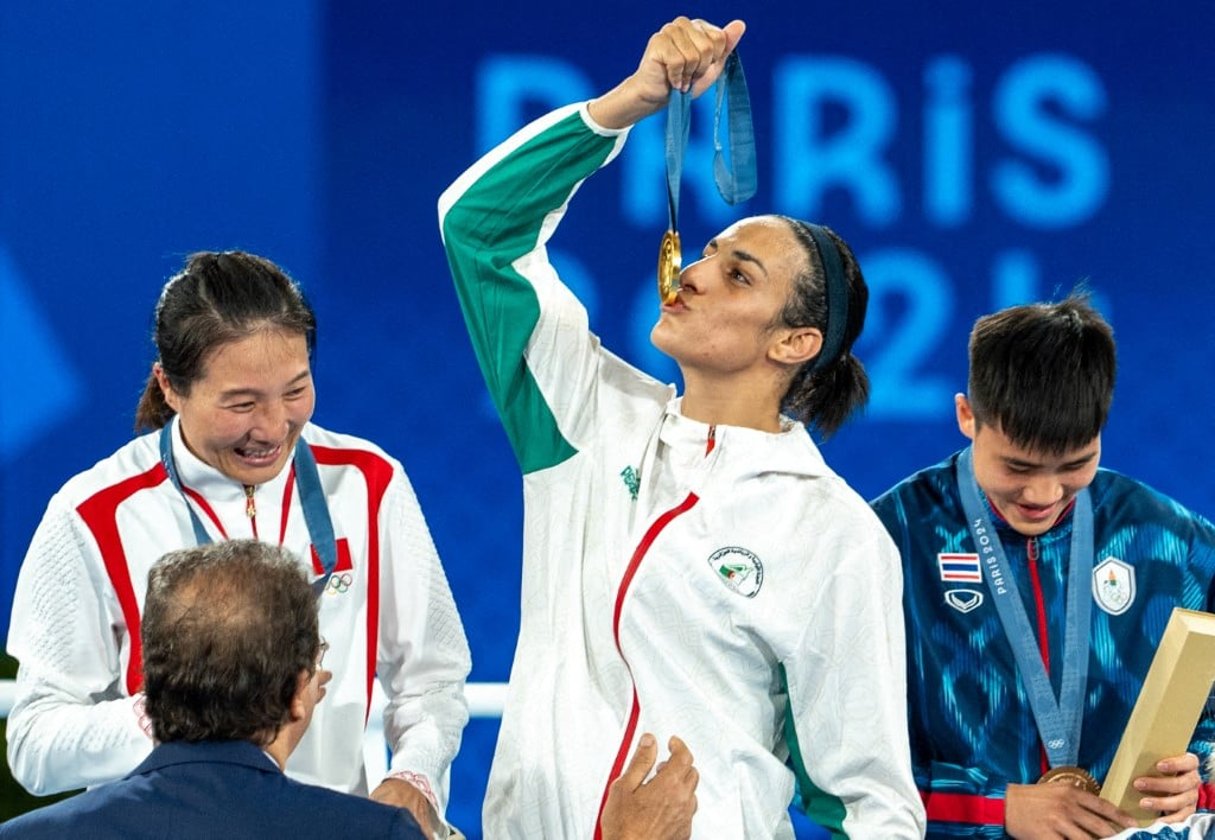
740,570
632,480
1114,585
964,600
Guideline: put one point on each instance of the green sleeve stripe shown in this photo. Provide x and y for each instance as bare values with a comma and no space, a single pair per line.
820,806
496,221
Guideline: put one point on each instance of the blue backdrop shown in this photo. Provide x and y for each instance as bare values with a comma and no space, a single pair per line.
975,155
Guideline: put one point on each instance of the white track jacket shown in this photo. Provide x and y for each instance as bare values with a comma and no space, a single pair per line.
745,599
387,610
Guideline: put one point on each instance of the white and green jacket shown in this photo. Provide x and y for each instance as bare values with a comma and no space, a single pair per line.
719,584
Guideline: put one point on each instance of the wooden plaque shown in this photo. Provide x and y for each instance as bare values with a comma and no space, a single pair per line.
1162,723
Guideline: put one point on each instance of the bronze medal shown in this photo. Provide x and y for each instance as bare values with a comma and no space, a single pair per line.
670,262
1074,776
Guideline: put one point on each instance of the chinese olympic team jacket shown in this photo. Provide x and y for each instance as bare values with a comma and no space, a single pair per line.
386,610
972,728
716,583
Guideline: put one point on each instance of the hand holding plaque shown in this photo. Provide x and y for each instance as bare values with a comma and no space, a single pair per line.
1162,723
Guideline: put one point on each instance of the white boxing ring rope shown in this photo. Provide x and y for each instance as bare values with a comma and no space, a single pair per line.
485,700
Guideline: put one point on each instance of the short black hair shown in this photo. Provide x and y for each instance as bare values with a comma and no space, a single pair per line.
227,630
1043,373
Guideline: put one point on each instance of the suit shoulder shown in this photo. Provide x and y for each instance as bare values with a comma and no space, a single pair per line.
358,816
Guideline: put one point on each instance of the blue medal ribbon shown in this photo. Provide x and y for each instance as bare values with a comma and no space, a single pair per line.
312,499
1058,721
679,111
736,182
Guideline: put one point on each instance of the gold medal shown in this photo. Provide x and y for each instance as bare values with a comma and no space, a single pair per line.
670,261
1073,776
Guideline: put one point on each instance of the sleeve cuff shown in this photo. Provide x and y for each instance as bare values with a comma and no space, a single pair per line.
585,110
139,708
962,808
421,782
1206,796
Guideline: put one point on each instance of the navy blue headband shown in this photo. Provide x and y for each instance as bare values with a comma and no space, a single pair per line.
837,296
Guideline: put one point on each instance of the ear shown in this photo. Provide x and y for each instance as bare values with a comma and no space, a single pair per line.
794,346
172,398
299,706
966,416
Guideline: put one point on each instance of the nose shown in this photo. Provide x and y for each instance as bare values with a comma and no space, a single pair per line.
691,278
270,420
1042,490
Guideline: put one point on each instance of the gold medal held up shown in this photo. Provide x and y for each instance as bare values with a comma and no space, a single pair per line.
735,182
670,263
670,255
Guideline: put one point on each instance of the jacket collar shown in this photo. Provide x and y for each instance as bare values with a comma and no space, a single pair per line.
747,451
214,486
244,753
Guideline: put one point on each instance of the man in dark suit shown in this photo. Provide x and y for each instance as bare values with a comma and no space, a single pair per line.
233,666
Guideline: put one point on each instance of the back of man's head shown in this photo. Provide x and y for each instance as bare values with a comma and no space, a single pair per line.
1043,373
227,630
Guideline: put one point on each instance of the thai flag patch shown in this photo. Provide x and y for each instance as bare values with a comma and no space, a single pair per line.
960,568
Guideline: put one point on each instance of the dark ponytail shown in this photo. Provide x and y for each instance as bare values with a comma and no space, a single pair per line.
827,389
217,297
152,412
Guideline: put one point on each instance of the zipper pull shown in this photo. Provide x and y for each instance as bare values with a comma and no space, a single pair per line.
250,507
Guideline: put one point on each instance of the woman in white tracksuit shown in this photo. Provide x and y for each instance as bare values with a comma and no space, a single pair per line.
235,455
692,567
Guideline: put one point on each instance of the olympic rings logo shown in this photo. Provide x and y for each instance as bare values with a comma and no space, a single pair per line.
339,584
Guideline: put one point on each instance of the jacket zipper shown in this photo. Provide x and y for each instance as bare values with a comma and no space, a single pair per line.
251,508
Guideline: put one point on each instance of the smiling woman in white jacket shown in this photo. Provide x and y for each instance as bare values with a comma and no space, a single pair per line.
692,567
234,455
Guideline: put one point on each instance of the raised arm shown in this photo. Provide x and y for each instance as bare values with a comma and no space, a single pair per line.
530,334
684,55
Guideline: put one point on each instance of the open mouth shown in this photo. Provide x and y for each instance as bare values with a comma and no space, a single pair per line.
259,456
1035,513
